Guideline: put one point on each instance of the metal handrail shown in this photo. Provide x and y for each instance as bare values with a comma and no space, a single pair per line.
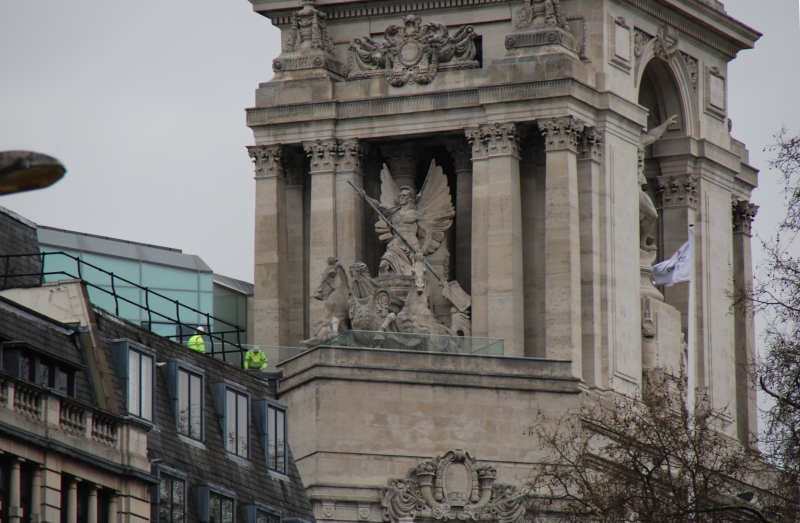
218,336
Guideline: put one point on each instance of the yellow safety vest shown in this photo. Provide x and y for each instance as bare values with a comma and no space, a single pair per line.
255,360
196,343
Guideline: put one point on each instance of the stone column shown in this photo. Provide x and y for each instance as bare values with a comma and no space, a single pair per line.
14,500
498,160
36,494
462,159
676,203
323,155
589,217
562,242
480,232
402,160
744,328
112,508
270,304
72,501
349,207
91,509
295,169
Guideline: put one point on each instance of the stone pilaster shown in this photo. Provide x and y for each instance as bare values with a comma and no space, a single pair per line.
589,170
296,166
349,207
744,327
91,509
270,303
402,160
562,241
495,156
323,155
72,502
461,153
36,494
14,499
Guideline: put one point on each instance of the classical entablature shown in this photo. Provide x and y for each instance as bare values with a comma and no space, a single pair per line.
452,487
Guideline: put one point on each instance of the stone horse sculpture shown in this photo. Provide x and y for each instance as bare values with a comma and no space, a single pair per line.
334,291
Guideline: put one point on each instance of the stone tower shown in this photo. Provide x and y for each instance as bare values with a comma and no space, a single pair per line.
551,122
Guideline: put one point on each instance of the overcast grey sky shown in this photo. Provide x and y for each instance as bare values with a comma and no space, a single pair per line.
144,103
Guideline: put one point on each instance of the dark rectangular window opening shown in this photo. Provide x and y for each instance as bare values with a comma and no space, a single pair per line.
220,509
140,385
237,415
276,439
171,503
190,404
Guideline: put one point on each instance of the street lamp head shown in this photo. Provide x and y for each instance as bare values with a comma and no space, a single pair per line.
25,171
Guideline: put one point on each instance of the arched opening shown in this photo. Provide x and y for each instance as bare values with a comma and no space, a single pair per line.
660,95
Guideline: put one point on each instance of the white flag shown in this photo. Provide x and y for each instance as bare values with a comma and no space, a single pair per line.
678,268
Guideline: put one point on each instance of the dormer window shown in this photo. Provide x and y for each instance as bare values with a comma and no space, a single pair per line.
28,363
136,365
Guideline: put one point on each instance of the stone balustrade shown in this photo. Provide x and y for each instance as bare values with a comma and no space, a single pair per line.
27,401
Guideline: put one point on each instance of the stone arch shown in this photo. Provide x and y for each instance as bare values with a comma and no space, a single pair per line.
670,81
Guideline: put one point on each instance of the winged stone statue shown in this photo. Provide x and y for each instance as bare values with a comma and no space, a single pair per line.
421,218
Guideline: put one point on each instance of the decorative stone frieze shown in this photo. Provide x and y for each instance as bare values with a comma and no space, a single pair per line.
675,191
493,140
351,155
561,133
432,494
413,53
308,45
666,45
267,159
743,214
323,154
691,67
591,141
461,153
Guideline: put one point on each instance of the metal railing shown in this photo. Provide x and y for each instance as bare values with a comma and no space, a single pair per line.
219,344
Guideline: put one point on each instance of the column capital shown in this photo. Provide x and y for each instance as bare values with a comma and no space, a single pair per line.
351,155
743,214
561,134
497,139
591,143
460,151
676,191
323,155
267,159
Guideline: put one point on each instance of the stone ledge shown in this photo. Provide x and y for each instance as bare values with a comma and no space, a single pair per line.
438,369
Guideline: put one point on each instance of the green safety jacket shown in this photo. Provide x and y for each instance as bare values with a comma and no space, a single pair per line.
196,343
255,360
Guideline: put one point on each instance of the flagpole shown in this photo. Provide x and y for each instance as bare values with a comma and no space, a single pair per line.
691,342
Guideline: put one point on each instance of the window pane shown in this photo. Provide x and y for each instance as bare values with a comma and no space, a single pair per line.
214,508
44,375
279,443
25,368
196,413
261,517
230,413
177,501
183,402
147,387
242,426
62,382
133,383
271,438
164,491
227,510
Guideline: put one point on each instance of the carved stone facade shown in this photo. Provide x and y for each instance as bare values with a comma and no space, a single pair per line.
267,159
509,146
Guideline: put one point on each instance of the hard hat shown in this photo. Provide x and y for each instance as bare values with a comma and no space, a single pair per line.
256,348
200,329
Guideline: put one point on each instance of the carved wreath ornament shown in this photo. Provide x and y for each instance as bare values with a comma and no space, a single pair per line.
449,487
413,52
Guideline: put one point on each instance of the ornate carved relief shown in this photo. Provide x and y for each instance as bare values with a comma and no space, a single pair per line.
621,43
674,191
716,92
323,155
691,66
666,45
640,40
460,151
449,487
493,140
537,13
267,159
591,142
413,53
577,26
743,214
561,133
351,155
308,45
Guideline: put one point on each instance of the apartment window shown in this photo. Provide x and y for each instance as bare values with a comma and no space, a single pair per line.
26,362
237,422
135,365
190,404
266,517
220,508
260,513
271,416
140,384
171,500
